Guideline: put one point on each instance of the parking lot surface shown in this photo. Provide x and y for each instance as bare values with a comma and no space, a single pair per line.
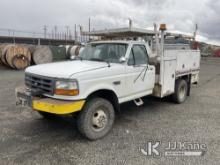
27,138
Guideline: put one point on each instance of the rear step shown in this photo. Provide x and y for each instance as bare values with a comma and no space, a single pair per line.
138,102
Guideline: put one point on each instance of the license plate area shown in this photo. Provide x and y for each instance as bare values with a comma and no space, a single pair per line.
23,97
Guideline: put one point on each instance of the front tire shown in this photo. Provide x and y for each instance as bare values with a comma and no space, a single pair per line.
181,88
96,119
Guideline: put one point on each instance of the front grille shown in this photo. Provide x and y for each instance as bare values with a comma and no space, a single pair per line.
41,84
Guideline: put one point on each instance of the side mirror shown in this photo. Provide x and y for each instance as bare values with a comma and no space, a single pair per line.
122,59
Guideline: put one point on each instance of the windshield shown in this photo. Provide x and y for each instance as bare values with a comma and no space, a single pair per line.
109,52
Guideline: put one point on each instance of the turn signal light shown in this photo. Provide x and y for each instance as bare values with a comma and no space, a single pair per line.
71,92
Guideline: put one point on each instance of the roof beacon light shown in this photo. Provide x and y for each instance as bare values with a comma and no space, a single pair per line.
163,27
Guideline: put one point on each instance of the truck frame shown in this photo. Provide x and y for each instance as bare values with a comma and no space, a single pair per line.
125,65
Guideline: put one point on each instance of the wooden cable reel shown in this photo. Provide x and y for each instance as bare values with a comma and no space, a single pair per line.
17,56
42,54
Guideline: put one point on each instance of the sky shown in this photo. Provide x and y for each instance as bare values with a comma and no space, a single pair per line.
180,16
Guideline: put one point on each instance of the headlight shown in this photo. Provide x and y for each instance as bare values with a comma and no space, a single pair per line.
69,88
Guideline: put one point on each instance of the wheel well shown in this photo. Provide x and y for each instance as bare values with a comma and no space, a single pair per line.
185,77
108,95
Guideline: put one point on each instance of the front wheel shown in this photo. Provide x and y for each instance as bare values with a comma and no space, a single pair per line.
180,94
96,119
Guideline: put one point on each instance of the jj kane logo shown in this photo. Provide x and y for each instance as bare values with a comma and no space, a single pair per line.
151,149
181,148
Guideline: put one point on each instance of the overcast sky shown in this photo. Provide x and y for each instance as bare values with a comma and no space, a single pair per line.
179,15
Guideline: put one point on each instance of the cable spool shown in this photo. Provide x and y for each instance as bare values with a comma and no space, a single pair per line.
68,48
20,62
42,54
3,51
31,49
16,56
0,54
73,50
81,49
76,50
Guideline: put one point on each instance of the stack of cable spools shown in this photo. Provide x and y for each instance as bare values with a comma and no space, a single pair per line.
18,56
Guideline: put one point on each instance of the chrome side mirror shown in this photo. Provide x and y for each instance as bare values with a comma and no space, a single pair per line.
122,59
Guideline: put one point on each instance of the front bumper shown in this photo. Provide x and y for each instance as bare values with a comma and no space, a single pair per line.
50,105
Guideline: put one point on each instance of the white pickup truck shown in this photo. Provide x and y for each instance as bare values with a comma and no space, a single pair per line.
104,75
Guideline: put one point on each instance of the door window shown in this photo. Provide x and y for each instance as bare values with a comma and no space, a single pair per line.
138,55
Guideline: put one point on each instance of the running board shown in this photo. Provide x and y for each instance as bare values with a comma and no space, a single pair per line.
138,102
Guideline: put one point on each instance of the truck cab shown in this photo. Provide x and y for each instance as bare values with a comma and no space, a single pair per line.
95,83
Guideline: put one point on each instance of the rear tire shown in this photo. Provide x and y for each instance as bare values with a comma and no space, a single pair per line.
181,88
96,119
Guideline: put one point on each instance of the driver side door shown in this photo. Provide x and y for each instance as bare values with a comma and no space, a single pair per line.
140,76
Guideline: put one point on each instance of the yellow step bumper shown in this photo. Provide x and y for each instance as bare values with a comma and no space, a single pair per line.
57,106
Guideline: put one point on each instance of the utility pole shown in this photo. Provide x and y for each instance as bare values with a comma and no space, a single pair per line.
70,34
75,33
89,24
89,27
195,32
67,31
14,36
52,34
130,23
9,32
45,31
55,31
80,31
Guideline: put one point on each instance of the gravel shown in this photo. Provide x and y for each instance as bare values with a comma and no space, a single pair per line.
27,138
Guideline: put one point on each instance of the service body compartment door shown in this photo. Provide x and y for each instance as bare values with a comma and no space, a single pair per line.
169,77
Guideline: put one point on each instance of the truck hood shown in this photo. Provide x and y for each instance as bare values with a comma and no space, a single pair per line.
65,69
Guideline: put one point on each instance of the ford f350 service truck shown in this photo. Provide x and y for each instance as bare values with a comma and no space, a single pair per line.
108,73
